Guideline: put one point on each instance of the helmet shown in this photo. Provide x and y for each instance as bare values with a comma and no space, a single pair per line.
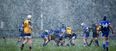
29,16
82,24
68,27
46,30
104,18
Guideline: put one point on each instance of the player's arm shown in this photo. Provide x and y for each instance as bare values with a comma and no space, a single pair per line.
98,29
111,28
30,25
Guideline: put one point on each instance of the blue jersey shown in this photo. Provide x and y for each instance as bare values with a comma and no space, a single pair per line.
44,34
62,30
85,29
105,28
51,32
21,28
105,25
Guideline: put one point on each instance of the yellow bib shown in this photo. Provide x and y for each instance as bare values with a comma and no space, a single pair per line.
27,28
69,30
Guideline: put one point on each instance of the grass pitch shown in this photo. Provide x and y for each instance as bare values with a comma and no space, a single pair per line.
10,45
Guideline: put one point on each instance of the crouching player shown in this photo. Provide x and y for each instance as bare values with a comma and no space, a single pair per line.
59,39
27,26
45,36
60,35
71,36
86,31
105,29
95,29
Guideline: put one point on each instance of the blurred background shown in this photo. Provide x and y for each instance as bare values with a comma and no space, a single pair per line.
51,14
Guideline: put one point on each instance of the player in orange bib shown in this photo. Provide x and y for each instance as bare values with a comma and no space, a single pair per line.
27,32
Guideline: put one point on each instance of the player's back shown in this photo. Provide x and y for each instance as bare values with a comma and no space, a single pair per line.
105,25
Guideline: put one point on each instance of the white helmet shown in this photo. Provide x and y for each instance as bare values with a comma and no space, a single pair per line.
46,30
29,16
82,24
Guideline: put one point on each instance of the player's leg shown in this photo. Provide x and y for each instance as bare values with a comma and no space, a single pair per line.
19,39
61,41
25,41
96,42
57,41
72,42
92,40
103,43
5,41
85,39
30,43
107,43
67,40
46,40
73,38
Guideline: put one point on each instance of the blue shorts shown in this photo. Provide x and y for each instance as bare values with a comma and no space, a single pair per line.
105,33
21,35
44,36
86,35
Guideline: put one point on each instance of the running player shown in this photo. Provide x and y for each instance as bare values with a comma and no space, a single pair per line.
95,29
27,26
21,36
85,33
105,29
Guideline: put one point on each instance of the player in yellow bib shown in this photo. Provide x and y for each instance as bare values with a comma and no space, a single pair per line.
27,32
70,35
68,32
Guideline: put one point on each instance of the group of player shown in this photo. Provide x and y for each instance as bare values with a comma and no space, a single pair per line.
104,27
60,34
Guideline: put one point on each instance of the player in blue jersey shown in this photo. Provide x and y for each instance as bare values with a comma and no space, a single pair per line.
85,33
21,35
59,37
63,28
105,29
45,36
